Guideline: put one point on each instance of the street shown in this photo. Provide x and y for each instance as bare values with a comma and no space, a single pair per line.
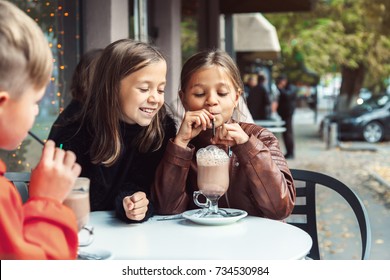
355,164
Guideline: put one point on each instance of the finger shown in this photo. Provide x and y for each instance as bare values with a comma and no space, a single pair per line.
196,122
139,211
141,203
59,156
128,205
76,169
48,150
70,158
137,196
205,120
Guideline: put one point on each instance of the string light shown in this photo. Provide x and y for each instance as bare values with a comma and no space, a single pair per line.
50,16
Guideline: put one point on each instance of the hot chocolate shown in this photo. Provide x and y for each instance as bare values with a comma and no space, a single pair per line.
213,171
78,201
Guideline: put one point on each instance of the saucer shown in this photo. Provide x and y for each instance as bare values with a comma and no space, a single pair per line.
94,254
196,217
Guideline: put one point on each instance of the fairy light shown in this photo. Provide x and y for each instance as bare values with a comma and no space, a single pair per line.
50,16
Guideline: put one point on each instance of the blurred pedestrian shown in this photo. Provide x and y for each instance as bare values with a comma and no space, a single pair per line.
249,84
259,102
286,108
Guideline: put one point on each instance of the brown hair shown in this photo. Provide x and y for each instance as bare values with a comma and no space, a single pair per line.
82,75
102,107
25,57
207,59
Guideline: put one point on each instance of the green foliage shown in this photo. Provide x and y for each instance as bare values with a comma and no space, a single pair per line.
189,39
338,33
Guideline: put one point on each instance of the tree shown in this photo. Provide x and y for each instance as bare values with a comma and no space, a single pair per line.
346,36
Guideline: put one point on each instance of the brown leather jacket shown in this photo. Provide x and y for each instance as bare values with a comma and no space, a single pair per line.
260,180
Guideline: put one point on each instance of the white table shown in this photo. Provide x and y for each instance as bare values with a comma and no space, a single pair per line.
275,126
248,239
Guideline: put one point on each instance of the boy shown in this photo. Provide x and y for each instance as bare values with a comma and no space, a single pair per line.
42,228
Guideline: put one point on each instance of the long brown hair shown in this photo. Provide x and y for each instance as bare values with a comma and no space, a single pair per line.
102,107
208,58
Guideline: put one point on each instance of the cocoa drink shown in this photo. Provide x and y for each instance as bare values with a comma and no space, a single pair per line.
213,171
78,201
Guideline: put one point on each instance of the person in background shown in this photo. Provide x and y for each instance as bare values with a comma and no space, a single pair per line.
285,109
260,180
42,228
121,133
249,85
79,89
259,101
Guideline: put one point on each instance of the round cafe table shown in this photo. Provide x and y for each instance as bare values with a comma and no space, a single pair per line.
251,238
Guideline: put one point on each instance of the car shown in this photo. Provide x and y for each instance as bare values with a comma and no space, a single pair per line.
369,121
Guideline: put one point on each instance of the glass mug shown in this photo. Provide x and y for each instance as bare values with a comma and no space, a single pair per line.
213,178
78,201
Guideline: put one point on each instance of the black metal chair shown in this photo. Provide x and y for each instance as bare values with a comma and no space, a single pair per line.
306,182
21,181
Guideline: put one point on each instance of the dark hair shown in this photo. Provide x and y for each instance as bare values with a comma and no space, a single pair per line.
102,107
82,75
280,78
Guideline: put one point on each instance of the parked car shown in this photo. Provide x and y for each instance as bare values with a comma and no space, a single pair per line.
369,121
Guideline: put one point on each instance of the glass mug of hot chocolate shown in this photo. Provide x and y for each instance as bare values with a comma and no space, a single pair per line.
213,177
78,201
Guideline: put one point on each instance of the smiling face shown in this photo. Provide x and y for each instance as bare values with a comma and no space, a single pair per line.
211,89
17,116
142,93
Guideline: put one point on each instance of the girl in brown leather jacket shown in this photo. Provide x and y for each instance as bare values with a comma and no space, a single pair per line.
260,180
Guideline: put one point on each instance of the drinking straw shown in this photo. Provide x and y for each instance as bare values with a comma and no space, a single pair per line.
36,138
61,146
213,127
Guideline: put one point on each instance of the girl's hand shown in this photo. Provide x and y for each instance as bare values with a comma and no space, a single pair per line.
230,134
55,174
136,206
193,123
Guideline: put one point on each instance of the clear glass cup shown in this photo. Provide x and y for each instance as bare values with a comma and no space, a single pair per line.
213,178
78,201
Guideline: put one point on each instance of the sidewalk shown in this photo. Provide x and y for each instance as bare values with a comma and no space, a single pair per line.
357,168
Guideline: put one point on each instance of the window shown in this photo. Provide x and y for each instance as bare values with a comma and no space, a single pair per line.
60,21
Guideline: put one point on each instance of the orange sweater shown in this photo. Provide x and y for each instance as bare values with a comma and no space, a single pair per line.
39,229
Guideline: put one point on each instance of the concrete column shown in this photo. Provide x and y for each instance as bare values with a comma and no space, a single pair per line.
104,21
208,24
166,18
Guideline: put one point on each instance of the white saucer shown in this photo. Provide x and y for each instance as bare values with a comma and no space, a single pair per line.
195,216
94,254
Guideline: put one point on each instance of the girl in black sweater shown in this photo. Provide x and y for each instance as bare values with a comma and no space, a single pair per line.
121,133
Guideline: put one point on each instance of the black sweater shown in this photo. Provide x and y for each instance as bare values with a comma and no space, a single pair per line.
132,172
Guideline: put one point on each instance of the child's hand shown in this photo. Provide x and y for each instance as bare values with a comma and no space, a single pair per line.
55,174
230,134
193,123
136,206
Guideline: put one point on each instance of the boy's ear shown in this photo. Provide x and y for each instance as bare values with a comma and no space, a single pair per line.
4,97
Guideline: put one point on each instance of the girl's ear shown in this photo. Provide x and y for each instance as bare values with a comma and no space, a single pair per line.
181,96
237,97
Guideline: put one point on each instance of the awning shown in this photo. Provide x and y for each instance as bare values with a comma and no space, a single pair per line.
255,36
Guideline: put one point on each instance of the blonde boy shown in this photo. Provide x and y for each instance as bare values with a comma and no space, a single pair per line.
42,228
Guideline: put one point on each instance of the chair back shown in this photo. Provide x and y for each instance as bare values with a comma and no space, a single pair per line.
21,181
306,207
